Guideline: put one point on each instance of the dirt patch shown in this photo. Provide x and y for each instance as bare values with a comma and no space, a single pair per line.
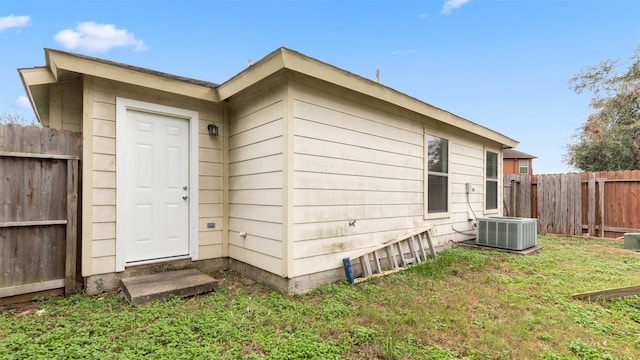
234,282
22,309
251,348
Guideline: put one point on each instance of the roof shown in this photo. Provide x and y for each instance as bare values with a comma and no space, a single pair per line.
136,68
515,154
61,65
284,58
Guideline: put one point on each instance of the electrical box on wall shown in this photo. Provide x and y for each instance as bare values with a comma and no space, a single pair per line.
470,188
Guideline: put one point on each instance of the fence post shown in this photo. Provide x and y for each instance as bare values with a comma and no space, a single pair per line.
71,231
577,204
513,206
601,183
592,204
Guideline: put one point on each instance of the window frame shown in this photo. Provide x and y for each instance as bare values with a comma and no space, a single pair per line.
447,213
497,180
520,167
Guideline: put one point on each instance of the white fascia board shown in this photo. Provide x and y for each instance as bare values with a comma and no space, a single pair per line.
264,68
37,76
63,61
284,58
314,68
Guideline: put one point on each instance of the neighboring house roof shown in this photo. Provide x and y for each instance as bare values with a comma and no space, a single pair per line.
61,65
515,154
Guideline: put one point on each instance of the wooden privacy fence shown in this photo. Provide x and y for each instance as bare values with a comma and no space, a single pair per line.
39,182
603,204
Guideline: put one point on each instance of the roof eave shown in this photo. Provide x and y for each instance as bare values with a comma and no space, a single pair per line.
36,83
284,58
60,60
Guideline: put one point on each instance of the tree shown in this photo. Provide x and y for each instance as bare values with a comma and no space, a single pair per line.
610,138
15,118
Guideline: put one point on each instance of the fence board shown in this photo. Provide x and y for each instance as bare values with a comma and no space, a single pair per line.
634,200
517,195
592,204
602,202
71,228
564,206
577,225
606,204
31,288
31,254
38,209
524,198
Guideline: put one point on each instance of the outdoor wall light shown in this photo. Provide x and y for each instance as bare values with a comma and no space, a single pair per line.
213,129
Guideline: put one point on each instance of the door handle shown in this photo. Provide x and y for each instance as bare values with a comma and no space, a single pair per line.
185,197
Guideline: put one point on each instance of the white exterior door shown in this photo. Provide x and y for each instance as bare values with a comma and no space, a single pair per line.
155,187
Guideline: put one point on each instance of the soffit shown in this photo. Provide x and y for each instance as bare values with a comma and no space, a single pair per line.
36,83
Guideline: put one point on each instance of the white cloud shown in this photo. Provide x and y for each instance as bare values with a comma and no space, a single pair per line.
94,37
23,102
11,21
451,5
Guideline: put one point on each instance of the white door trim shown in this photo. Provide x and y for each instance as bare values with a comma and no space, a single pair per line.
122,105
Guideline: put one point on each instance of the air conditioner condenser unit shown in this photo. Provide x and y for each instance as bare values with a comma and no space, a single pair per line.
632,241
510,233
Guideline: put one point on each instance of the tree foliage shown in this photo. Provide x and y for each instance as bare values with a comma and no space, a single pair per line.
610,138
15,118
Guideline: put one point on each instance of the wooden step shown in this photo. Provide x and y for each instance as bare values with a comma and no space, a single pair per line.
183,283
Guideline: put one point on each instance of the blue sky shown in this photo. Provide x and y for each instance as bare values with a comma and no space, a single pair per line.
503,64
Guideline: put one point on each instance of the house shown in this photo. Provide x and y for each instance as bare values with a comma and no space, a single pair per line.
277,173
517,162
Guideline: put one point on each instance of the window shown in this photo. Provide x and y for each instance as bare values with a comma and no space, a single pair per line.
491,189
438,174
523,166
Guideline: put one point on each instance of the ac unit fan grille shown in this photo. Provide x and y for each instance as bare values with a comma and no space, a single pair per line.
507,233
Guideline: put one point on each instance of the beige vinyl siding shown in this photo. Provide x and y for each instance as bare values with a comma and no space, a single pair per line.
104,168
103,215
65,106
351,162
354,160
256,179
210,175
467,166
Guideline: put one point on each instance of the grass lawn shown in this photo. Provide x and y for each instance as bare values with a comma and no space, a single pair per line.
464,304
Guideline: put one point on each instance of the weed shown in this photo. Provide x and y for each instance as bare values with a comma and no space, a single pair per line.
586,351
388,346
362,335
464,303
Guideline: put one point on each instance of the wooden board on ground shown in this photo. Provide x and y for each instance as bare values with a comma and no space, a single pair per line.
608,293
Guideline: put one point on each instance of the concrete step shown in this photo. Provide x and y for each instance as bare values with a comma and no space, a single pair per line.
183,283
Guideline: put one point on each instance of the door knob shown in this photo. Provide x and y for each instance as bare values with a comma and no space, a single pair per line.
185,197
